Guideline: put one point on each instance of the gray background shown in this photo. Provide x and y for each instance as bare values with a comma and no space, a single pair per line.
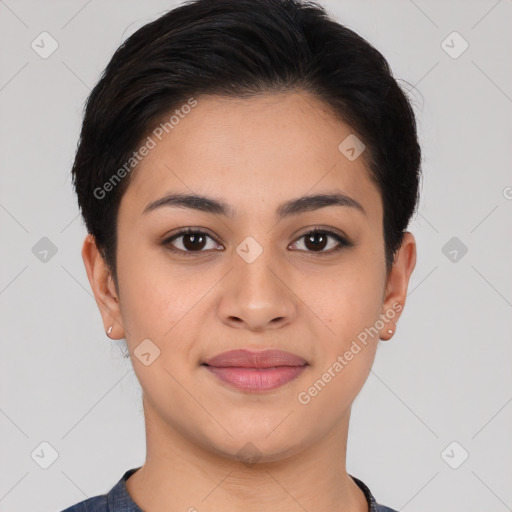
446,374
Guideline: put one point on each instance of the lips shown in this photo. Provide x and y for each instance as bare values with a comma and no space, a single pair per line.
242,358
255,372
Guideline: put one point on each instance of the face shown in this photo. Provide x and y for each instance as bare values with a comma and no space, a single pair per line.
252,275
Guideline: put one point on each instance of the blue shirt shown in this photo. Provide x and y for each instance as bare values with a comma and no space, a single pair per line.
118,499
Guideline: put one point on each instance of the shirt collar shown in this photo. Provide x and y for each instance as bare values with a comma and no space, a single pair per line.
372,503
118,498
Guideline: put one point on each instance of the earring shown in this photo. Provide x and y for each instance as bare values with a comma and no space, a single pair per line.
109,331
391,331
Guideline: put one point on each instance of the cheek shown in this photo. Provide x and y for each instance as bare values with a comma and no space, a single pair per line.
347,299
331,391
346,350
349,304
156,295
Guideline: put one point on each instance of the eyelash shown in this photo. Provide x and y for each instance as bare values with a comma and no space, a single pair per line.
189,231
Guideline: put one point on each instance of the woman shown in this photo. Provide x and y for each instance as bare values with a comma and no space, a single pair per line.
246,172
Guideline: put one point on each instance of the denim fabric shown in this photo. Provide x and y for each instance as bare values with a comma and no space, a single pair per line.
118,499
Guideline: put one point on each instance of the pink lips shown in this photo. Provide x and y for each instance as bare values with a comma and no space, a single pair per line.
256,371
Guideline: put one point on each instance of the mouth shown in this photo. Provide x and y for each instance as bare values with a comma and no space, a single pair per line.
256,371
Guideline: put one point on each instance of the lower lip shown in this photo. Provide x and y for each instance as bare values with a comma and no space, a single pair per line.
256,379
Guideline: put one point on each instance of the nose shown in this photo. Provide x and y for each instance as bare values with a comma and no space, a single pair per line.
256,296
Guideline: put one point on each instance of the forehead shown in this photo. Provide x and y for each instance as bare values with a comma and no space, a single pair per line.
254,151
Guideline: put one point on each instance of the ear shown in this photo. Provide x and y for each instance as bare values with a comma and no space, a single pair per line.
397,284
102,284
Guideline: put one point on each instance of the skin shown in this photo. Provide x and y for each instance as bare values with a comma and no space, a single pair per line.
253,154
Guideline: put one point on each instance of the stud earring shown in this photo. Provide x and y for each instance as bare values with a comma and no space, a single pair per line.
391,331
109,331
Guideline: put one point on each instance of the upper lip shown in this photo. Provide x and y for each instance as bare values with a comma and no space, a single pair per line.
243,358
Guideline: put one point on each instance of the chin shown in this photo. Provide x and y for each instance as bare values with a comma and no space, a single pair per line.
251,452
257,443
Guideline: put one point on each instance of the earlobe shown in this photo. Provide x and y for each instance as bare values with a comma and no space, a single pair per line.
100,279
397,285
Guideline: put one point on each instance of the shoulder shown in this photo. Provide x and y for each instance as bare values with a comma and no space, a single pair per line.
94,504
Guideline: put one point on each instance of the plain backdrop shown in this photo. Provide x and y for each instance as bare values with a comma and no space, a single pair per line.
431,429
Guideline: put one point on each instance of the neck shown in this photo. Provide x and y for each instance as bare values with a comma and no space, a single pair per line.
180,475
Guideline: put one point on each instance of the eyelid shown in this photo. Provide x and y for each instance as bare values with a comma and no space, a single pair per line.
322,229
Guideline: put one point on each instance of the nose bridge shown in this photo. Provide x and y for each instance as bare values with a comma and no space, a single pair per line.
254,295
253,266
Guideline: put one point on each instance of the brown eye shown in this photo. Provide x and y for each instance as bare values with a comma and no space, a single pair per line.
194,242
190,241
318,240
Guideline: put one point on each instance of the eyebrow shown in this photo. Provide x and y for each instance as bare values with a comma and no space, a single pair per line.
219,207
